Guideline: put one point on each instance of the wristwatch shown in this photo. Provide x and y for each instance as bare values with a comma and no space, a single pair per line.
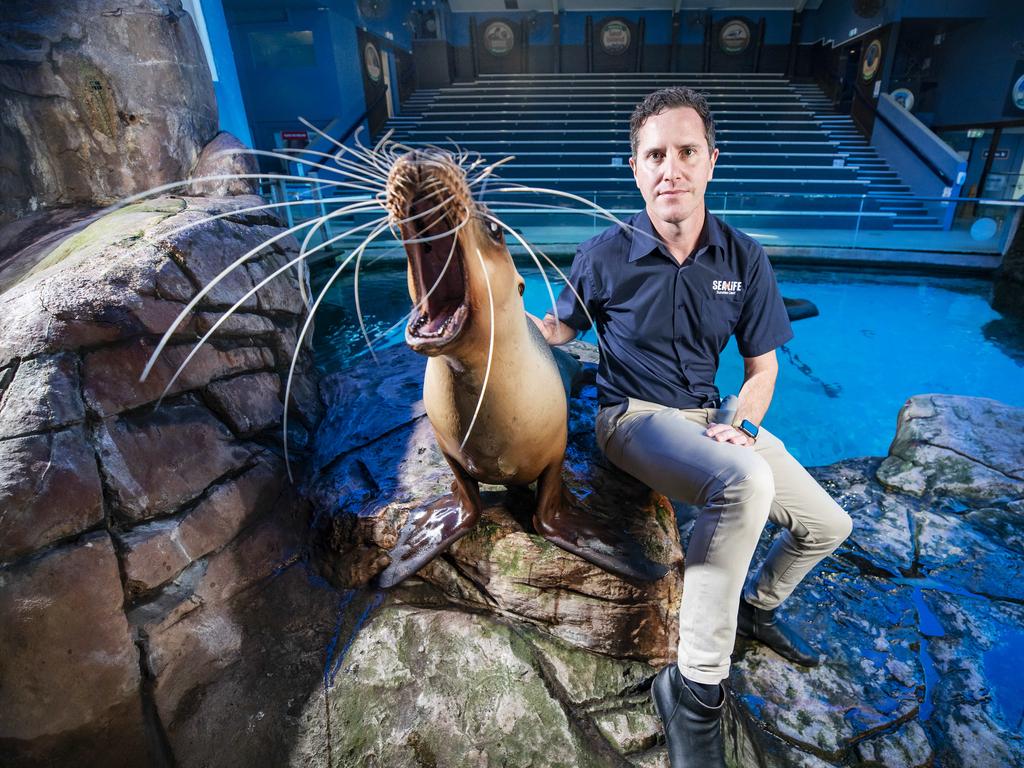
748,428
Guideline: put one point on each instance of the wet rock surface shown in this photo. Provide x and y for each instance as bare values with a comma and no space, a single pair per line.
917,614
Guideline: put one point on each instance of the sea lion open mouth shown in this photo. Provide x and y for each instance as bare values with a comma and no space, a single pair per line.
437,277
429,199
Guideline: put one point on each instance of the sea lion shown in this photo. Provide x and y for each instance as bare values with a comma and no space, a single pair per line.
492,390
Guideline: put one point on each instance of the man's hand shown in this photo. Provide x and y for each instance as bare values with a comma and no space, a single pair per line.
726,433
553,329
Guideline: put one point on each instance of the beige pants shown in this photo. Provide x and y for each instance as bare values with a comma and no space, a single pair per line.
740,489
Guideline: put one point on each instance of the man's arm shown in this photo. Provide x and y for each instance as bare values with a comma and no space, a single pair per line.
755,396
554,330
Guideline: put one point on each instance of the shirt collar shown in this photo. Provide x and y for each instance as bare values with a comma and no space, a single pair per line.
645,239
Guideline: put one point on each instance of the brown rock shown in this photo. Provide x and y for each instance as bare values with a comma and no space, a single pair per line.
112,374
239,324
281,293
69,682
44,394
156,462
49,489
101,100
224,155
192,643
99,286
270,695
249,404
157,552
501,566
206,249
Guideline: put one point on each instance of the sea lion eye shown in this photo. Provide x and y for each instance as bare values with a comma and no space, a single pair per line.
494,230
522,288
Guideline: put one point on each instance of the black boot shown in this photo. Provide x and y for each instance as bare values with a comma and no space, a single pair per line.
765,627
693,729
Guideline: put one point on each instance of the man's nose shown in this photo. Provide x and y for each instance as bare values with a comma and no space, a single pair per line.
673,167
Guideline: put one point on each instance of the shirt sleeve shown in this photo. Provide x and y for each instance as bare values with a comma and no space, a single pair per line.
570,310
764,322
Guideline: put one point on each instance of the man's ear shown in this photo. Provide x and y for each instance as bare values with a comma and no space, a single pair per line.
632,167
714,159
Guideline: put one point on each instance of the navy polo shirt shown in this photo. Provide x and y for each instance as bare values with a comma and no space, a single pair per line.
662,325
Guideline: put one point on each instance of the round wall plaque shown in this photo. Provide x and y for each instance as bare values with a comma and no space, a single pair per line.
1018,93
499,39
615,37
734,37
904,97
371,57
872,60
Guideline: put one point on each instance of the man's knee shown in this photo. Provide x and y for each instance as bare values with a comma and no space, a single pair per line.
843,526
835,527
748,480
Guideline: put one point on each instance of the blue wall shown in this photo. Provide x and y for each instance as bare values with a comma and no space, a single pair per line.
326,87
974,66
230,105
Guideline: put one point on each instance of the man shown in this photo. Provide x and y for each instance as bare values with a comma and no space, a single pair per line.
666,293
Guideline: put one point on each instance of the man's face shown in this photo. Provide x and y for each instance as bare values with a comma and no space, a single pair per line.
673,166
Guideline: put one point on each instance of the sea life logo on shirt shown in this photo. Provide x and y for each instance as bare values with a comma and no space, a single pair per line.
726,287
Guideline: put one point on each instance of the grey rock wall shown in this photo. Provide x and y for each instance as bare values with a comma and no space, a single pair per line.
100,100
150,551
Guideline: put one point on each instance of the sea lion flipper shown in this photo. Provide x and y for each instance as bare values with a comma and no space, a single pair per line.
430,530
565,525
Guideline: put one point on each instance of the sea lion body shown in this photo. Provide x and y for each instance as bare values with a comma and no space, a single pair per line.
492,389
521,425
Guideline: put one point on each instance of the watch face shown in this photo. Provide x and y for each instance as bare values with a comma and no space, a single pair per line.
748,427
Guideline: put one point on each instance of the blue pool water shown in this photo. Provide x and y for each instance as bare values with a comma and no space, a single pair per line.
878,340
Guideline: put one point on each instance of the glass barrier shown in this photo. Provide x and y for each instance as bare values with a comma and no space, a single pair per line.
898,222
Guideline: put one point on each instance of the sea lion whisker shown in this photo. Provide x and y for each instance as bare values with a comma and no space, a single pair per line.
345,168
373,186
369,203
341,147
126,201
383,141
488,172
608,216
234,307
529,250
305,330
367,153
490,353
557,193
224,273
561,274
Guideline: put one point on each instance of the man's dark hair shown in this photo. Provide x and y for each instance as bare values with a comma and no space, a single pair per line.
670,98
